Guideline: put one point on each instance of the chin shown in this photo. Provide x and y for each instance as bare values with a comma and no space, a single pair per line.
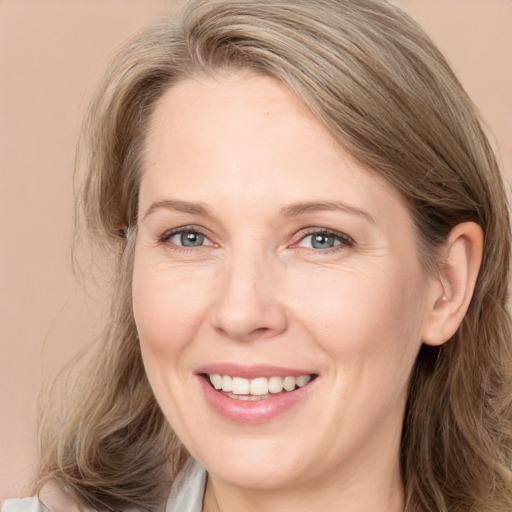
259,464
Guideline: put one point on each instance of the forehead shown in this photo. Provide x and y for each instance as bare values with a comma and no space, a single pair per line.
246,139
246,109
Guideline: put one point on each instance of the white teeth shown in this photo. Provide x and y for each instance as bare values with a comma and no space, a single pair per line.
227,383
275,384
240,386
302,380
259,386
289,383
216,380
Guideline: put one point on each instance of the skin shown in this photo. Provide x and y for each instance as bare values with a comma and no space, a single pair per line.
258,292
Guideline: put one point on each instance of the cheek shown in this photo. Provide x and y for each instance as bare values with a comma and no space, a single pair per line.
369,321
167,310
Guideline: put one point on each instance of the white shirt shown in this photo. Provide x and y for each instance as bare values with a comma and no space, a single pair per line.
188,489
186,495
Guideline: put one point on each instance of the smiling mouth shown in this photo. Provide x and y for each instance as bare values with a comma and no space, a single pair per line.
259,388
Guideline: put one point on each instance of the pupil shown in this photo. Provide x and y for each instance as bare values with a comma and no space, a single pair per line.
192,239
323,241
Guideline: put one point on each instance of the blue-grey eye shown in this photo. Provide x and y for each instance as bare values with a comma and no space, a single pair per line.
187,238
321,240
191,239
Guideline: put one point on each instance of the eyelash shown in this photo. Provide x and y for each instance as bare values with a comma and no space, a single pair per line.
344,240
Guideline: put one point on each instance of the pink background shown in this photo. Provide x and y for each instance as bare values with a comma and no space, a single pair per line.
52,53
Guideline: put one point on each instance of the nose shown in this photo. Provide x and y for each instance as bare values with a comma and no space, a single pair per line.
248,305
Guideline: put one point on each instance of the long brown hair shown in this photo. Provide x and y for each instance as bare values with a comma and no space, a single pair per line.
378,83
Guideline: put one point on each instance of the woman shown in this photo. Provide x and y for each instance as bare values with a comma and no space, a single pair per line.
312,253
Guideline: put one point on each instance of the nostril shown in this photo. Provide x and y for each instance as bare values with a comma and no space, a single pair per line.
241,335
259,331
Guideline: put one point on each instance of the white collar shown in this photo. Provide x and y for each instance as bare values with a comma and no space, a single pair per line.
188,489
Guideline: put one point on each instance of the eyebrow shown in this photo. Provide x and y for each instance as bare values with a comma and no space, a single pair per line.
297,209
293,210
180,206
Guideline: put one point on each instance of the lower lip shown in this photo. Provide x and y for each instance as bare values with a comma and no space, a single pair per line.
252,411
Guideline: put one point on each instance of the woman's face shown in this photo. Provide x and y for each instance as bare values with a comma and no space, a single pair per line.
267,257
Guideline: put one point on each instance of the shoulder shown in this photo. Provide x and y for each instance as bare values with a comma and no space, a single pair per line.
50,499
53,499
21,505
186,495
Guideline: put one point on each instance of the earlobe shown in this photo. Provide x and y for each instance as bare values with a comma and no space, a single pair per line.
453,290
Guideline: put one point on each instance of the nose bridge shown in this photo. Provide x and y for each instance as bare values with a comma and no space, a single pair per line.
248,303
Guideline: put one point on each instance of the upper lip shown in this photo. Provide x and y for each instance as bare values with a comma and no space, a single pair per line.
251,371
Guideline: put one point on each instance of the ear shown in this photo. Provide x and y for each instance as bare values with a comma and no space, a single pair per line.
451,294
